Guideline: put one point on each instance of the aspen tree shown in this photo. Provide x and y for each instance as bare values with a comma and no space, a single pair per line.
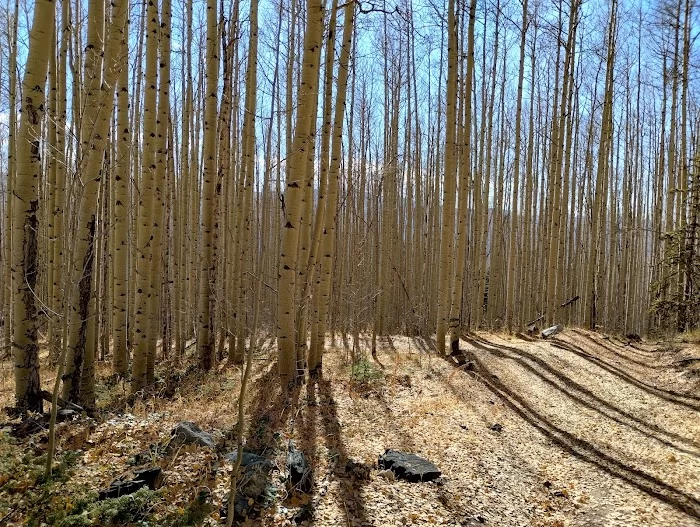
61,163
246,177
305,252
99,99
555,177
387,195
236,195
162,156
331,203
685,258
11,175
496,270
121,217
188,182
672,169
272,154
482,188
144,283
312,276
25,206
512,247
457,289
601,175
419,211
449,188
52,273
226,172
205,336
136,129
526,269
303,135
5,305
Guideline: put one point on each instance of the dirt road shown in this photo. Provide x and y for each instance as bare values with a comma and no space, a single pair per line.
578,430
622,409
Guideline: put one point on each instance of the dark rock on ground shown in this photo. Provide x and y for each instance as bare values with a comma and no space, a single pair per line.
408,466
253,483
496,427
121,488
249,459
187,433
151,476
241,508
148,477
299,469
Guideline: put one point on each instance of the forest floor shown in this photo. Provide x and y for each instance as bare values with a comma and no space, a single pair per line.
577,430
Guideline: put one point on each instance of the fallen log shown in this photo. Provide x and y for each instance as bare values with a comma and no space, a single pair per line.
551,331
567,303
48,397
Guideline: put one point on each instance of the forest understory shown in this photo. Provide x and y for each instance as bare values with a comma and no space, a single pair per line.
578,430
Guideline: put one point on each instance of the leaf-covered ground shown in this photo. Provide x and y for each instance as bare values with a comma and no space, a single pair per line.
579,430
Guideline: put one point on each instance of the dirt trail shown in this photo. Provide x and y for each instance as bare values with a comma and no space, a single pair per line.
612,406
595,432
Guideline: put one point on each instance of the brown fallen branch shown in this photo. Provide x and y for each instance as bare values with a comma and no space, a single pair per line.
568,302
46,396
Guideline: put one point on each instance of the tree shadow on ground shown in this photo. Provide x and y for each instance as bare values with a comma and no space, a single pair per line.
425,345
628,345
304,428
671,396
584,450
609,347
583,396
270,410
350,489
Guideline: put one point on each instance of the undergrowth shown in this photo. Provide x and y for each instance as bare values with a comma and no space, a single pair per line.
364,371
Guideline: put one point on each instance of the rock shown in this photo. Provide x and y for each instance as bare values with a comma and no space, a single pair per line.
241,508
253,483
299,469
551,331
148,477
151,476
188,433
121,488
408,466
496,427
249,460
